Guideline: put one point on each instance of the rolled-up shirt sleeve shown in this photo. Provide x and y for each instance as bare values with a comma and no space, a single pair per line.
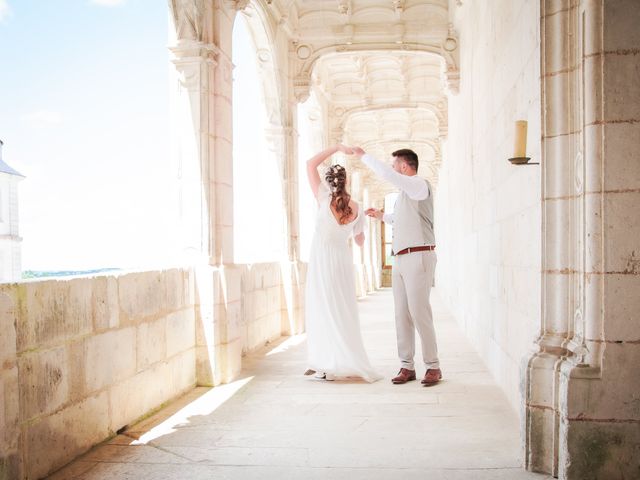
414,186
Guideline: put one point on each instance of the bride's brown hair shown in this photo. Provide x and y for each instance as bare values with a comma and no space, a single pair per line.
336,177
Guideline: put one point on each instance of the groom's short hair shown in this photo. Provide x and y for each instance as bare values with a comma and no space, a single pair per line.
408,156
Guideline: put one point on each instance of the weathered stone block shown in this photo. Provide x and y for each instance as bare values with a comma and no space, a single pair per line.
135,396
540,428
44,382
11,467
621,19
232,363
151,343
183,372
59,438
621,146
174,294
261,304
8,329
232,284
52,311
621,88
207,367
611,397
141,296
273,299
599,450
231,315
110,357
210,327
106,310
272,275
622,310
621,233
248,309
541,375
9,410
181,331
76,362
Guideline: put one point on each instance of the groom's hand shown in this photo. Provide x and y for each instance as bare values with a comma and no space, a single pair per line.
372,212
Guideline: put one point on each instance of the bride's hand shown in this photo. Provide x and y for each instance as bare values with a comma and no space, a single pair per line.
344,149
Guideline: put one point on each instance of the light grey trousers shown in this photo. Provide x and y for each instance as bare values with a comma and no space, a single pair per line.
412,279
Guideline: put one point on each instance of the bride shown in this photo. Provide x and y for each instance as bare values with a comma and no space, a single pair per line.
334,341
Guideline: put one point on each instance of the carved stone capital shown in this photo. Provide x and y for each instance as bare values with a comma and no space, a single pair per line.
240,4
189,51
302,88
452,78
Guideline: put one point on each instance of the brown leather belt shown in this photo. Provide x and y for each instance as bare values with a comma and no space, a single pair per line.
416,249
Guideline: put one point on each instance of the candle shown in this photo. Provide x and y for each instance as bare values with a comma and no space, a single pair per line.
521,139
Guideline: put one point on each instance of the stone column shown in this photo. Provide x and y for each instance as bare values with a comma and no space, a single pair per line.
560,144
192,118
581,384
203,136
283,143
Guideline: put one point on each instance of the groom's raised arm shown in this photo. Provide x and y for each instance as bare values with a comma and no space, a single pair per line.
413,186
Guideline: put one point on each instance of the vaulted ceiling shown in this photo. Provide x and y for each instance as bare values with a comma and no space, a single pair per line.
381,70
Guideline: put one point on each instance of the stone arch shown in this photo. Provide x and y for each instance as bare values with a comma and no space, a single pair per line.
308,58
272,129
439,111
264,39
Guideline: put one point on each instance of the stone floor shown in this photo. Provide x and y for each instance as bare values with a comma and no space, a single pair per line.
275,423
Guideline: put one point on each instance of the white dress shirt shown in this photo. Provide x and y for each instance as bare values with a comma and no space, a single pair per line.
414,186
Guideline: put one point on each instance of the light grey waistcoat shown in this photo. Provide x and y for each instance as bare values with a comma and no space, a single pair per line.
413,222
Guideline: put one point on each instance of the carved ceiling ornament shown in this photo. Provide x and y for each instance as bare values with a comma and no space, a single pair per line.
303,51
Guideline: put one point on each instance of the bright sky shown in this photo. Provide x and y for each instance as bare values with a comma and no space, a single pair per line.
258,213
84,116
258,202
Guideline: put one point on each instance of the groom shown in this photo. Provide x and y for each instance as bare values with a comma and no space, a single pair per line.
415,263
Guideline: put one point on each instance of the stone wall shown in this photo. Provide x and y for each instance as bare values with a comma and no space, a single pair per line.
82,358
487,210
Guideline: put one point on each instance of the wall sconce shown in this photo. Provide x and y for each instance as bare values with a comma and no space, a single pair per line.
520,148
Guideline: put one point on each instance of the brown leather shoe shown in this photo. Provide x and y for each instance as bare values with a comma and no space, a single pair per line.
433,376
404,376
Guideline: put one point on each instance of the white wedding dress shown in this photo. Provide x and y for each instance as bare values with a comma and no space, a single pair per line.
334,340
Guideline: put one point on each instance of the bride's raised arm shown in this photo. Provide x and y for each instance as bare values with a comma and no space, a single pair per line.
314,162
